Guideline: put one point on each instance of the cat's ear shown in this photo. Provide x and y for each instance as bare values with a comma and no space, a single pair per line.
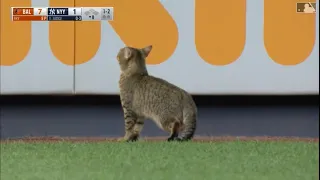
147,50
127,53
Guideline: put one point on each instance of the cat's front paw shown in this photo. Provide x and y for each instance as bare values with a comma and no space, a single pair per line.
128,139
134,138
170,139
174,139
123,139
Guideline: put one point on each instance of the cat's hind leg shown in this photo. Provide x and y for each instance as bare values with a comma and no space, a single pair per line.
174,131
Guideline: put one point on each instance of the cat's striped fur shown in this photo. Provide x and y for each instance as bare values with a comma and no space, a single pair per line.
147,97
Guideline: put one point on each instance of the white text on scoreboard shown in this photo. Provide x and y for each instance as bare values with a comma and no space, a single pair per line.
62,13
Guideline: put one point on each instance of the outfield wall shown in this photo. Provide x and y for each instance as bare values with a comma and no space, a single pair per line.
207,47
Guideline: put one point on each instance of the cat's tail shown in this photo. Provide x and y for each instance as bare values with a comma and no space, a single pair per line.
189,125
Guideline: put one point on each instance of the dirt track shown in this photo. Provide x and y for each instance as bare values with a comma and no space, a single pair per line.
154,139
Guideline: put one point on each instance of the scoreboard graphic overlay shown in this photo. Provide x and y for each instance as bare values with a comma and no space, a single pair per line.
62,13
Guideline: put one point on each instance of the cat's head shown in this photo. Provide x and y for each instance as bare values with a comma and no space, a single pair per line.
133,59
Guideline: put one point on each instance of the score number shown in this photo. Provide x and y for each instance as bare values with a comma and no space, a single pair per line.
40,11
74,11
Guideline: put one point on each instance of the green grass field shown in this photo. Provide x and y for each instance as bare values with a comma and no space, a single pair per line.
160,161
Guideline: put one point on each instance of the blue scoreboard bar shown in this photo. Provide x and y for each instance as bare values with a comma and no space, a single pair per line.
58,11
64,18
64,14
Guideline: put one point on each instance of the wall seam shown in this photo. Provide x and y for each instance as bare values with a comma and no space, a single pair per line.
74,53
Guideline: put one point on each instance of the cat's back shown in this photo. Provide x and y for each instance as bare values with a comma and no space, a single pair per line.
152,91
159,86
155,97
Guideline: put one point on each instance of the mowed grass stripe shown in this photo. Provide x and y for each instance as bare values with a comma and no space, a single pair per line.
160,161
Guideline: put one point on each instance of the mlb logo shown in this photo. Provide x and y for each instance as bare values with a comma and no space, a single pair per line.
306,7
